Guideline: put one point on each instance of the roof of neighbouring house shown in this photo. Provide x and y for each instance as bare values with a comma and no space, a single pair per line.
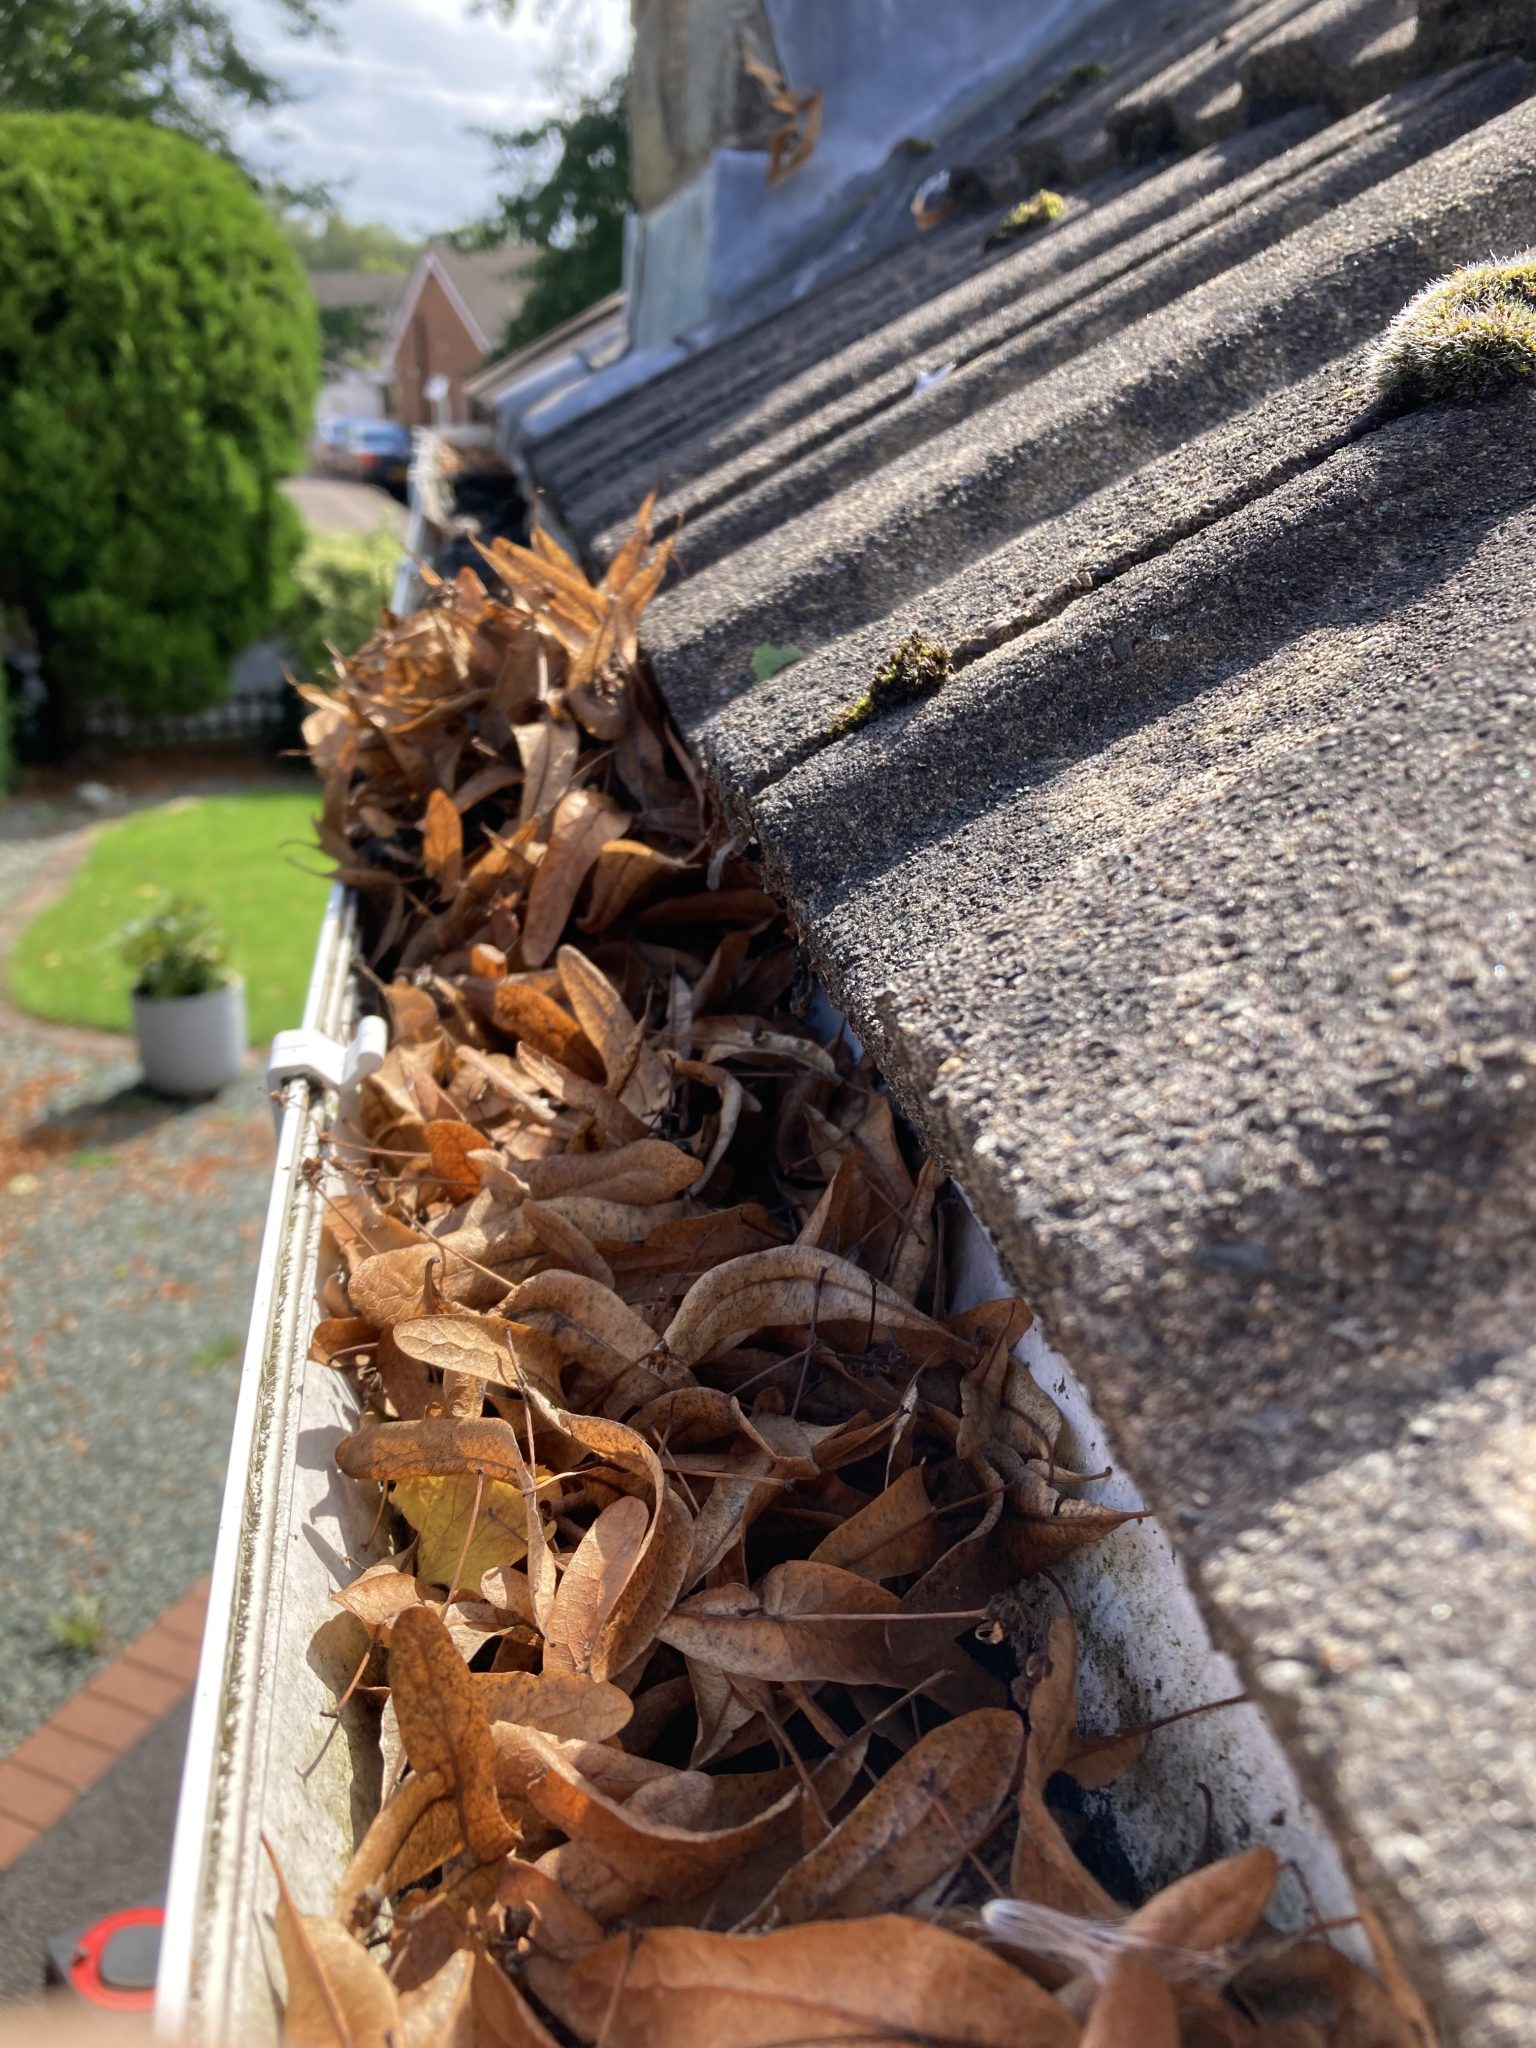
381,289
1194,917
485,286
587,339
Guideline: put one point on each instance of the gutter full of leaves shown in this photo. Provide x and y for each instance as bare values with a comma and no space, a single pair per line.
710,1710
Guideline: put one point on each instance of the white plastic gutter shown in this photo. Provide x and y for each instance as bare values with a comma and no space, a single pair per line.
253,1765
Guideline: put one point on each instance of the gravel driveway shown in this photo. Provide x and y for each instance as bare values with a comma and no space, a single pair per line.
129,1235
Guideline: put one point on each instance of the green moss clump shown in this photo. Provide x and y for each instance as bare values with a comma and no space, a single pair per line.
1464,336
917,668
1077,80
1036,212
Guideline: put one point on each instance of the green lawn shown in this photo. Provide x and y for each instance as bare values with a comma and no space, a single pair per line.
243,855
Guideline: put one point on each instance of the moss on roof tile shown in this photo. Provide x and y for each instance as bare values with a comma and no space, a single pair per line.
1464,336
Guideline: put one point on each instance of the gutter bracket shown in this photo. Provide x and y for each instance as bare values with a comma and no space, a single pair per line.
311,1055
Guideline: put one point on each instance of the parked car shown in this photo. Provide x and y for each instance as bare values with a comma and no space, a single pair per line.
378,452
328,445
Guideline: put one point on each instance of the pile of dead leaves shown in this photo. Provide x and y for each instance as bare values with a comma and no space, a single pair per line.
708,1714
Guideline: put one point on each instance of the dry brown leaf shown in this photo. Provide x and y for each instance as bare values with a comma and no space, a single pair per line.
377,1595
884,1983
451,1147
442,842
440,2013
444,1728
571,1707
1133,2008
488,1347
392,1287
746,1038
548,752
1097,1761
788,1288
1312,1984
584,822
1053,1707
627,872
1401,1995
680,1251
1044,1869
360,1229
1045,1526
487,961
337,1995
655,1577
640,1174
430,1448
593,1327
752,908
412,1013
503,2017
892,1537
340,1338
748,1478
558,1926
566,1243
415,1830
619,1126
655,1844
778,1630
791,144
593,1582
638,1076
525,1013
933,1805
1211,1908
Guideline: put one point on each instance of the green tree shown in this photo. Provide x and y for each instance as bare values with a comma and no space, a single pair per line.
340,582
324,239
158,363
327,240
349,337
572,209
179,63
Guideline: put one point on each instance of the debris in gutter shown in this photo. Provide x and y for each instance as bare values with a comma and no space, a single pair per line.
948,191
1077,80
710,1710
915,669
767,661
792,144
1037,211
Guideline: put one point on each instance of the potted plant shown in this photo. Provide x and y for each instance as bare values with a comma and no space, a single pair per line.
188,1003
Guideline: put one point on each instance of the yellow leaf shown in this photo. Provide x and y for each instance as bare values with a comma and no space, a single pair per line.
439,1511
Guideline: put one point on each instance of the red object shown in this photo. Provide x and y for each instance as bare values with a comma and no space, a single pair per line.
85,1972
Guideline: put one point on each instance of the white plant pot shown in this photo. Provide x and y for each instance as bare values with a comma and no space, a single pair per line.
191,1045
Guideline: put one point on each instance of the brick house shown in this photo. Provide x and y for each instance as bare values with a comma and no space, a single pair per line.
450,317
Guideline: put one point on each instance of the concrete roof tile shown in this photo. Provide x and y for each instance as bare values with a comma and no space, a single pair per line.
1193,919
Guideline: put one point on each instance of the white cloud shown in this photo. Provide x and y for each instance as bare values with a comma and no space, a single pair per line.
386,116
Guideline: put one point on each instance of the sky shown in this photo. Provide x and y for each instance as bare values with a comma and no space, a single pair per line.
384,117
